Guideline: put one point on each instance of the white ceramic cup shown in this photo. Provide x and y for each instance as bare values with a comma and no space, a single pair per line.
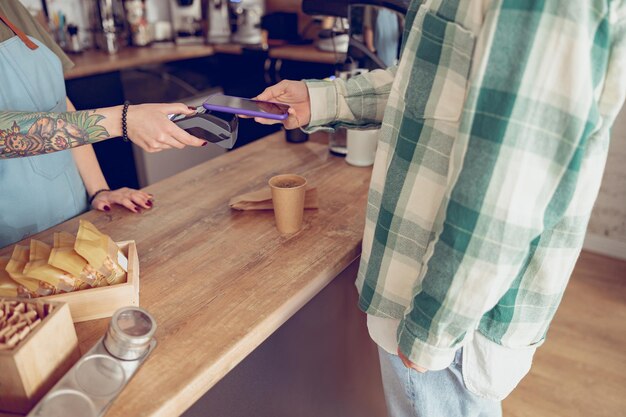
361,146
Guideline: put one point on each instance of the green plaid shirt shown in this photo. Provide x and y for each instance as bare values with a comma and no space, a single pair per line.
494,136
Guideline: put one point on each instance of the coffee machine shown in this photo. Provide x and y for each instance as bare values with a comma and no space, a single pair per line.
109,25
187,21
218,21
247,16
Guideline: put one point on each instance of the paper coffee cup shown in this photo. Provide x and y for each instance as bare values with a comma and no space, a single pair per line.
362,146
288,192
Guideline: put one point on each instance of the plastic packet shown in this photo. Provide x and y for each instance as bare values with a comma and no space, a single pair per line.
101,252
30,287
8,287
38,267
64,257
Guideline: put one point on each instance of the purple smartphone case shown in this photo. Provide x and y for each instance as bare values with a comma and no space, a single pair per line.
251,113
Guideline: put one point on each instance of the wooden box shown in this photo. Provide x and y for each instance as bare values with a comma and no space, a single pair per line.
97,303
29,370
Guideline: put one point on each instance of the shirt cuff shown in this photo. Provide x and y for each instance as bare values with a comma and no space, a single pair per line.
323,103
422,354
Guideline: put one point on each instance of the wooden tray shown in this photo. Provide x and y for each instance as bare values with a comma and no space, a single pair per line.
97,303
39,361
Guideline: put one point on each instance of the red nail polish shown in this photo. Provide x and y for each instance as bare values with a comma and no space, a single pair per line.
149,203
205,143
191,108
107,208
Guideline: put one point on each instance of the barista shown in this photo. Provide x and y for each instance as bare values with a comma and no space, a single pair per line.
48,169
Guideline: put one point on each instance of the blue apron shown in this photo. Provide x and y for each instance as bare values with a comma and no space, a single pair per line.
41,191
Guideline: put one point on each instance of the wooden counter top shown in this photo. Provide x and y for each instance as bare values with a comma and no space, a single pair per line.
289,52
305,53
219,282
93,62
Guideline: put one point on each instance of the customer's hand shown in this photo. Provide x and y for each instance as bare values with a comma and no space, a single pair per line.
410,364
150,128
133,200
293,93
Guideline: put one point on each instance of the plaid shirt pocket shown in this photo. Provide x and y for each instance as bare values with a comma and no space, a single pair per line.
437,57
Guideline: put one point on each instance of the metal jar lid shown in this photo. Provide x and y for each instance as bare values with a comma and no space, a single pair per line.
130,332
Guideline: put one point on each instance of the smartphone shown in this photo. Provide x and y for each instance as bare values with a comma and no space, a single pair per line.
247,107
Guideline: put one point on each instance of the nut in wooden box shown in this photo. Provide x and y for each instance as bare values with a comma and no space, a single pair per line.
34,365
101,302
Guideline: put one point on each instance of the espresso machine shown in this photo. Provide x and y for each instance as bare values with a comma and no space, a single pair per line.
187,21
247,16
218,21
109,25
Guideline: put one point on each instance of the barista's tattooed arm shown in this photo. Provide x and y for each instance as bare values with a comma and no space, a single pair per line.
28,134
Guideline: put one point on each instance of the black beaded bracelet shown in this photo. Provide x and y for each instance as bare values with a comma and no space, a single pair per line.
96,194
124,123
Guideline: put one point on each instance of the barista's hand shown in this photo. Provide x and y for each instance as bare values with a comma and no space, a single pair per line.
410,364
293,93
150,128
133,200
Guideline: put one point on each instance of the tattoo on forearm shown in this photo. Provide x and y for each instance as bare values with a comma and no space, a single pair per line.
27,134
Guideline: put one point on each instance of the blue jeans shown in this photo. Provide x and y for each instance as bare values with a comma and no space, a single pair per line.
409,393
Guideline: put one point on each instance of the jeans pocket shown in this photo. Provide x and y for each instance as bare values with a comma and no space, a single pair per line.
493,371
435,67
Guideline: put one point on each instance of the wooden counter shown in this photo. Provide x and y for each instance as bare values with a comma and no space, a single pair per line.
93,62
220,282
305,53
302,53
